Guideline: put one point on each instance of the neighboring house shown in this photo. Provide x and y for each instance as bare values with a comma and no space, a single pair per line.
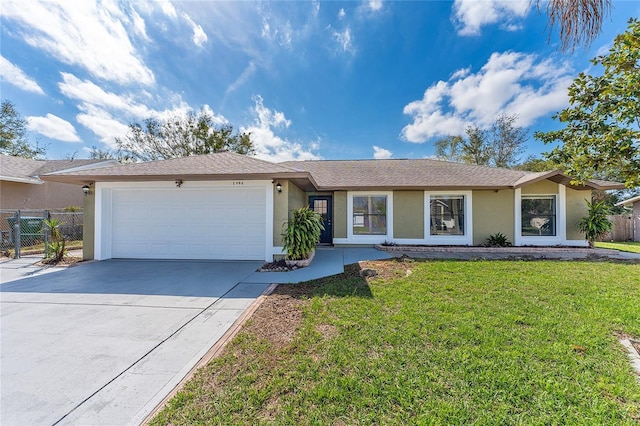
634,203
22,189
230,206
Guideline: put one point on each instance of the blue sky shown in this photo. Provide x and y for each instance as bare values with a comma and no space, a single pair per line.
309,80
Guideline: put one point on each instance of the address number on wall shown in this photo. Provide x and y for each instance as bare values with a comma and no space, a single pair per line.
238,182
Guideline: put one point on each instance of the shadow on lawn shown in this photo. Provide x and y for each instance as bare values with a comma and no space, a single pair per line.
349,283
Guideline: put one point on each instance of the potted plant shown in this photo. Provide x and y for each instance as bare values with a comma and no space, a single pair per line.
300,235
595,224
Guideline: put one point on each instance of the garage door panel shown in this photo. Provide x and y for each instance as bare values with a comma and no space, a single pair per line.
181,223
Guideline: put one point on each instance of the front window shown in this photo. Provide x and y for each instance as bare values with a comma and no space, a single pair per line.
369,214
538,216
447,214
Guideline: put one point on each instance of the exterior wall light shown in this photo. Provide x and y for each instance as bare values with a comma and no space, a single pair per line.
86,189
278,187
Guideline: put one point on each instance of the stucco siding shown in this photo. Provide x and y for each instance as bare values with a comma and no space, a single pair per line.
543,187
408,214
49,195
297,198
284,202
493,212
576,209
340,214
89,225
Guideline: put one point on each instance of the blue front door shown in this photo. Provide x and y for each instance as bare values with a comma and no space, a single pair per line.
322,204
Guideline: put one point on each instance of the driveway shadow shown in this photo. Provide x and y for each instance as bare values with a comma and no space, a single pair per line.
348,283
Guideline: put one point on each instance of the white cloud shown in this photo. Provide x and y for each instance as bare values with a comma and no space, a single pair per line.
315,8
242,78
374,5
83,33
199,36
471,15
381,153
168,9
103,125
139,25
270,146
53,127
13,75
88,93
509,83
341,13
278,31
344,40
105,112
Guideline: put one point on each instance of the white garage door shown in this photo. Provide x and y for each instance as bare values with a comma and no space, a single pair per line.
181,223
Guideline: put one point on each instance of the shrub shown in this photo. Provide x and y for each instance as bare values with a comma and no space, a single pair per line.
55,250
595,224
498,240
301,233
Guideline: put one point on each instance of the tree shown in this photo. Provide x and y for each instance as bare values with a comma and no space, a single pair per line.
475,149
13,134
498,146
180,136
580,21
507,141
602,133
535,164
107,154
448,148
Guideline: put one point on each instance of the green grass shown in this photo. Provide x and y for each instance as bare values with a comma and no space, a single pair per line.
633,247
453,343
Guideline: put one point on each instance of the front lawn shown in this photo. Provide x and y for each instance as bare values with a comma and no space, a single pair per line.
438,342
633,247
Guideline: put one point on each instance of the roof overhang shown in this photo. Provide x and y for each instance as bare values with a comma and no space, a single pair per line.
629,202
302,179
559,177
28,180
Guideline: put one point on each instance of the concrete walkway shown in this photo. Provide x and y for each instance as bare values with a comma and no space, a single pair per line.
327,261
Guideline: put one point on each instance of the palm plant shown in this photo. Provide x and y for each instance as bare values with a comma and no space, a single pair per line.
301,233
595,224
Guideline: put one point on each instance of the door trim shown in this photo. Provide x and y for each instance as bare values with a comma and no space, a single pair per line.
326,237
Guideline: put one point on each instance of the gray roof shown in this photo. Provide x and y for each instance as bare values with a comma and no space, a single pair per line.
221,165
421,174
26,170
326,175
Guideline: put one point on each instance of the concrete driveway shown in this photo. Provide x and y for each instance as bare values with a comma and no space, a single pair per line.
104,342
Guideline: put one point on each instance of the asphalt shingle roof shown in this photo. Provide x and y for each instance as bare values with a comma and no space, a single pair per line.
325,174
28,170
421,173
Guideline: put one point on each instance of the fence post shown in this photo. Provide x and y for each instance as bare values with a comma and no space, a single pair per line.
16,236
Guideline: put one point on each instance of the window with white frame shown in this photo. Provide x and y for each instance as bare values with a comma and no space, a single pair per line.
538,215
447,214
369,215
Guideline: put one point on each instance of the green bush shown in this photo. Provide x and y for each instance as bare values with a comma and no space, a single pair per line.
498,240
595,224
55,250
301,233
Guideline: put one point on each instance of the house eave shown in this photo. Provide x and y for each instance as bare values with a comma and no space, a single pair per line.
87,179
27,180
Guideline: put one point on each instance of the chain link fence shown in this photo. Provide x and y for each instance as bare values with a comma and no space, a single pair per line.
25,230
